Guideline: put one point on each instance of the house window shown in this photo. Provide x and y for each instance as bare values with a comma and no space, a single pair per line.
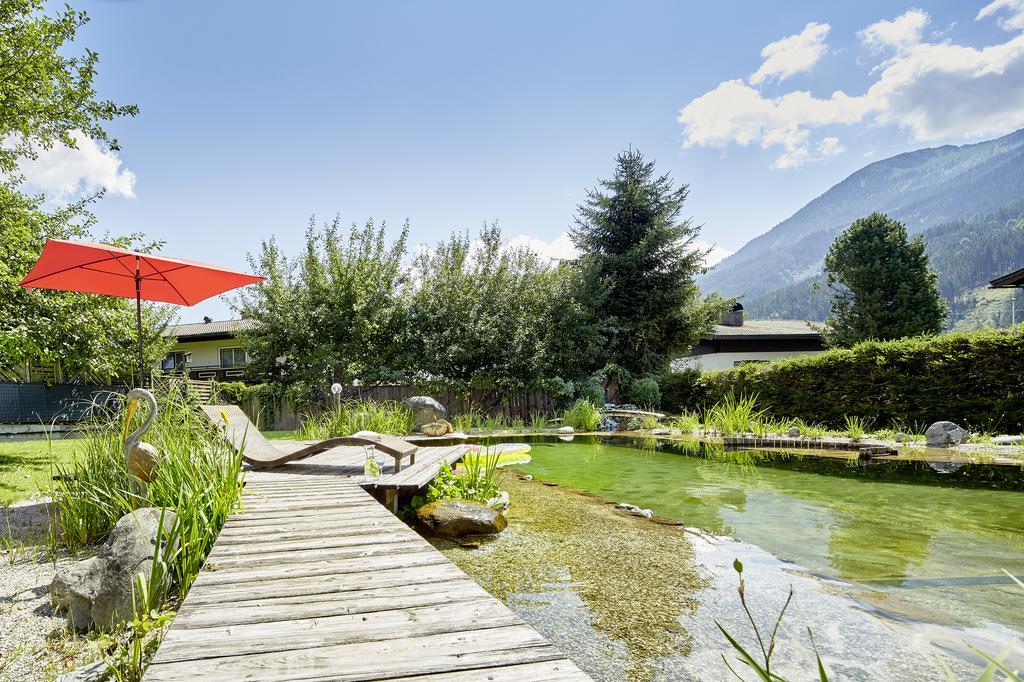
174,362
233,357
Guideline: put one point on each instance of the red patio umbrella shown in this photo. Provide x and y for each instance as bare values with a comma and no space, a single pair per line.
101,269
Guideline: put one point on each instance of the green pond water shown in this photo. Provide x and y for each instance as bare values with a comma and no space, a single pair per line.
897,567
900,528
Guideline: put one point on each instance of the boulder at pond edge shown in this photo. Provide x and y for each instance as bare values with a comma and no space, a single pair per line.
458,518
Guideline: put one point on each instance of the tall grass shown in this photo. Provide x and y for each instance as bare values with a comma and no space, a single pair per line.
388,417
582,415
856,427
199,477
686,422
735,415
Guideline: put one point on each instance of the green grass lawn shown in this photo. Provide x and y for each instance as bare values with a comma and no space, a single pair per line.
26,466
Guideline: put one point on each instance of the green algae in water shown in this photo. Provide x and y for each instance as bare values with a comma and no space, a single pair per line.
635,578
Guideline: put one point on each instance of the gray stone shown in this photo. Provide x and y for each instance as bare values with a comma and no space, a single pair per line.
502,502
527,477
660,432
900,437
458,518
565,429
944,434
425,410
646,513
794,432
127,552
627,507
94,672
1007,440
73,590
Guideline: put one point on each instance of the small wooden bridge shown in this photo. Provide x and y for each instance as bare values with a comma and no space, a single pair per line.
317,580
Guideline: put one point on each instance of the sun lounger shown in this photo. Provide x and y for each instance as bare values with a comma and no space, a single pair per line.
258,451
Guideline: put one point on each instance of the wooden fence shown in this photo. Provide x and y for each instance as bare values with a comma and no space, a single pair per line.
522,405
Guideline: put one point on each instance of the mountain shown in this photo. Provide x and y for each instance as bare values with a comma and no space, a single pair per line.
923,189
967,254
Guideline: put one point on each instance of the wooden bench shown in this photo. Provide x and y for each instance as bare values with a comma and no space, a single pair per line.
415,477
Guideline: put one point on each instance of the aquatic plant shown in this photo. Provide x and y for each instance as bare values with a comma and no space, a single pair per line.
477,480
766,425
559,540
199,477
734,415
582,415
538,421
856,427
762,665
470,419
646,422
351,416
686,422
811,430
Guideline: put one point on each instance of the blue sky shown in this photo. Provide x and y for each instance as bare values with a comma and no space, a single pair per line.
255,116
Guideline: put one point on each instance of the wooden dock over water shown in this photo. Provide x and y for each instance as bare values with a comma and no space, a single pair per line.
315,579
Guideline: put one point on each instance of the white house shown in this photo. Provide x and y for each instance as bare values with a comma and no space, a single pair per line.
735,341
208,350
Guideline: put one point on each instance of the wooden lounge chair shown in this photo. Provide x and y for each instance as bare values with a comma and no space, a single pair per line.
258,451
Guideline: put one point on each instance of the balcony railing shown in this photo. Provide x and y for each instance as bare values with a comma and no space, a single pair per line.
216,372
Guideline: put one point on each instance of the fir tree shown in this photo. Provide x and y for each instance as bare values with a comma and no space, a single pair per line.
640,260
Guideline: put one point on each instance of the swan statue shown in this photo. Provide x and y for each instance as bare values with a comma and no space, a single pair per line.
141,457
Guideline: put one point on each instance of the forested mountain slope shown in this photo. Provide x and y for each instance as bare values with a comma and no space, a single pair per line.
923,188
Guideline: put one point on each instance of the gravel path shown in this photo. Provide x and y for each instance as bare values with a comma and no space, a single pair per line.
34,644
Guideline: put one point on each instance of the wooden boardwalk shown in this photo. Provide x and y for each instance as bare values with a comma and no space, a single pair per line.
317,580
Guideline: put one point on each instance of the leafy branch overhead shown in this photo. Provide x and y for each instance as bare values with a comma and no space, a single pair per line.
45,96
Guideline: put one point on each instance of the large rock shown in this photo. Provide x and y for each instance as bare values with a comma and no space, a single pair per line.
457,518
98,592
944,434
73,590
425,410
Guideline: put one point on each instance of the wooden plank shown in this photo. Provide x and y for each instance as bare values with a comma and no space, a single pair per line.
284,635
511,645
310,544
561,670
265,610
426,573
397,555
316,556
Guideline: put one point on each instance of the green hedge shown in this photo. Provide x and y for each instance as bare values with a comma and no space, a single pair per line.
975,379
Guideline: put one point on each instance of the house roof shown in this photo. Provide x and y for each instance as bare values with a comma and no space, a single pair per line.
1013,280
767,329
197,331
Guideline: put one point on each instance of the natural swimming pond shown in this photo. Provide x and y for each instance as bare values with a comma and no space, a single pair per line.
895,565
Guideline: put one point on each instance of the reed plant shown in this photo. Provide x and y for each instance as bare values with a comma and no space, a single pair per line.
582,415
856,427
351,416
538,421
199,477
686,422
735,415
470,419
646,422
811,430
477,479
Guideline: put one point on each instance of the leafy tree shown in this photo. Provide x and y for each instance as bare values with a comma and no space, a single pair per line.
882,286
45,96
48,98
335,313
640,259
478,310
91,336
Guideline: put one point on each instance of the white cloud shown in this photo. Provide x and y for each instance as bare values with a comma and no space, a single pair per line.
934,90
903,31
62,172
562,248
1012,20
792,54
559,248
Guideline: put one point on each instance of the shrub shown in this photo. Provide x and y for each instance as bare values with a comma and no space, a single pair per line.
970,378
645,392
684,391
591,392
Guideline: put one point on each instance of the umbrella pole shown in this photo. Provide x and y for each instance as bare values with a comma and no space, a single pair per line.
138,321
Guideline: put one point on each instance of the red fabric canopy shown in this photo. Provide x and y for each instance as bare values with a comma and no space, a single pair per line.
102,269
